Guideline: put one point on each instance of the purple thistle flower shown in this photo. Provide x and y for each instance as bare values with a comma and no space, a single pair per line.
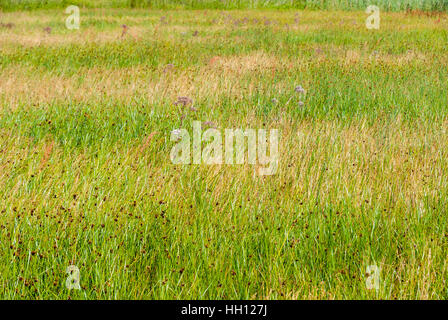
208,124
299,89
184,101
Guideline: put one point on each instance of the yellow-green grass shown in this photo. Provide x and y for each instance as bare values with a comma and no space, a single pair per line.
86,178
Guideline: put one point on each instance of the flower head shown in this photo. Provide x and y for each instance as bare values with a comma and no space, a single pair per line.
176,134
208,124
299,89
184,101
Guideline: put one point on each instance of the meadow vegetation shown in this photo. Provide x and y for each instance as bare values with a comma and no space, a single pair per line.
389,5
86,178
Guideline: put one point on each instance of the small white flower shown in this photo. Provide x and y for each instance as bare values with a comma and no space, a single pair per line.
301,104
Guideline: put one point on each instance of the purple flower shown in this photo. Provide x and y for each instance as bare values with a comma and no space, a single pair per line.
299,89
184,101
168,67
208,124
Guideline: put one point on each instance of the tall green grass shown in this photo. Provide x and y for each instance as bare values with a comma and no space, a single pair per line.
389,5
86,179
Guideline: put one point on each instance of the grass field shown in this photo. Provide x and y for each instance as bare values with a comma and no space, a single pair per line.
86,177
389,5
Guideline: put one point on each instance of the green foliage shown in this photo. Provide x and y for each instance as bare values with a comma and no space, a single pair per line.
86,179
390,5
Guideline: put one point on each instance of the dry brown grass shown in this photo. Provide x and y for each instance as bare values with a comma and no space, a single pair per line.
47,152
219,76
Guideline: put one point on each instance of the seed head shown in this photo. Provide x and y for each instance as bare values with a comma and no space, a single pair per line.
125,30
